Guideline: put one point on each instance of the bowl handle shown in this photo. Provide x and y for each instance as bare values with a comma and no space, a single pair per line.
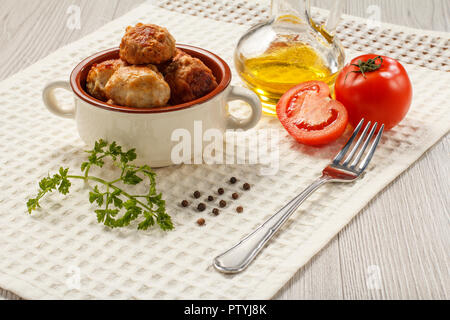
48,95
240,93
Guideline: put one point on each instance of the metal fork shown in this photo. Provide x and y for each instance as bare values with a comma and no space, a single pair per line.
237,258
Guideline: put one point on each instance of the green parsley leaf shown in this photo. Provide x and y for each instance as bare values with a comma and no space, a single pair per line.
117,208
131,178
96,196
32,205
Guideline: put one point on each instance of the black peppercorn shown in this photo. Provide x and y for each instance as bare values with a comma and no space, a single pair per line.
201,207
215,211
239,209
197,194
222,203
235,196
220,191
233,180
210,198
246,186
185,203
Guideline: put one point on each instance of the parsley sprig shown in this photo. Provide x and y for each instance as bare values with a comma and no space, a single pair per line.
117,207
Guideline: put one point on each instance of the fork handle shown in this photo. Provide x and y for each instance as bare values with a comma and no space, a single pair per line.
237,258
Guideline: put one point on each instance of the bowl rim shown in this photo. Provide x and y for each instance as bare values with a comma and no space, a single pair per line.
75,82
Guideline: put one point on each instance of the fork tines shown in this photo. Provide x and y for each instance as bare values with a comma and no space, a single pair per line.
359,148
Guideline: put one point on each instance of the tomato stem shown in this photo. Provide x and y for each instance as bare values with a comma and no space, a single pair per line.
366,66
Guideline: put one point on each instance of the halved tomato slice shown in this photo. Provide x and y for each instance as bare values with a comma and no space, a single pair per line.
309,114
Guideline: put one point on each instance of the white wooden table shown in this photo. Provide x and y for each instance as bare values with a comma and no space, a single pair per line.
396,248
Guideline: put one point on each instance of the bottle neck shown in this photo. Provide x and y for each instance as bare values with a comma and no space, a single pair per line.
298,8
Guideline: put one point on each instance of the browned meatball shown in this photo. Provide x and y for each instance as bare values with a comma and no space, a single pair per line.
138,86
188,78
99,75
147,44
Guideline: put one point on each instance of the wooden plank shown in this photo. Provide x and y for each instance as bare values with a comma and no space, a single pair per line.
429,15
319,279
34,29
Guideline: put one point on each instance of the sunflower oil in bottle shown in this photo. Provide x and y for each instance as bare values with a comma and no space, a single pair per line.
288,49
281,67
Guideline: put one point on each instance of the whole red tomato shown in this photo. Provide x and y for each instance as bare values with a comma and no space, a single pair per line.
376,88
